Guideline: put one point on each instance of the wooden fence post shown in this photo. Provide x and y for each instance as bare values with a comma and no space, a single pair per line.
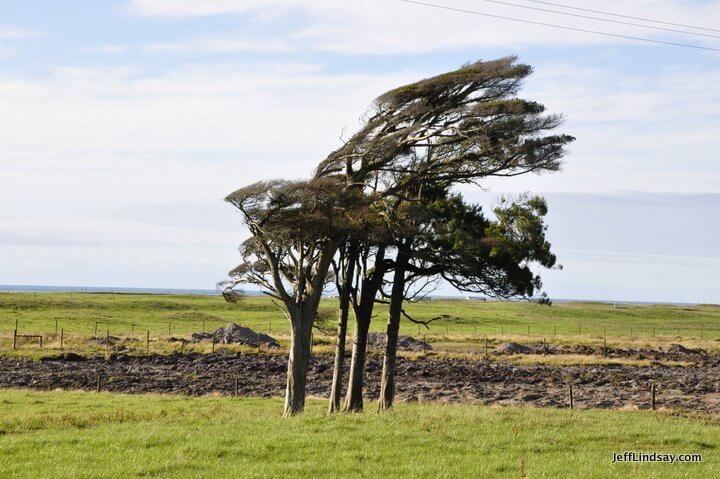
236,387
653,391
147,341
15,338
95,333
62,337
572,399
97,386
486,348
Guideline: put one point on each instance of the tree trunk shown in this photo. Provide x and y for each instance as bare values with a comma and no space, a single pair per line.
336,387
348,273
387,384
298,362
354,398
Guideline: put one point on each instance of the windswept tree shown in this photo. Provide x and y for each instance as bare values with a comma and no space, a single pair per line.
459,127
296,228
456,242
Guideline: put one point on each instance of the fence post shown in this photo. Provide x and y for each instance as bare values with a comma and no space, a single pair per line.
15,338
486,348
95,333
236,387
41,341
572,399
169,327
62,337
107,339
147,341
56,327
97,386
652,396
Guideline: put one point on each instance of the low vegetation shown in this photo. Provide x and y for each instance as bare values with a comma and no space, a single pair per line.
83,435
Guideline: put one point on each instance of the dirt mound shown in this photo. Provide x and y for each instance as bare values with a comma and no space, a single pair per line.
236,334
405,343
513,348
679,349
106,340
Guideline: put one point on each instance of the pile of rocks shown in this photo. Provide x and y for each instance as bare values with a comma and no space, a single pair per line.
405,343
236,334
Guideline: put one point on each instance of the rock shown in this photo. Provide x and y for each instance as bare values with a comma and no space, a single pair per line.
405,343
513,348
236,334
679,349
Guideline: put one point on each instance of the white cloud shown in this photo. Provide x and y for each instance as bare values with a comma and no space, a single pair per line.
15,33
383,27
224,44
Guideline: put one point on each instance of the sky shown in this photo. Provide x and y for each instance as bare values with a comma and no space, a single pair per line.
124,124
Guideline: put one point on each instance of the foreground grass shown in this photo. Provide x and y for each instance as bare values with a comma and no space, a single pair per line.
83,435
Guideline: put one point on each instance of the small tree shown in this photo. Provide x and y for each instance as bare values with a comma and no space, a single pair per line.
296,228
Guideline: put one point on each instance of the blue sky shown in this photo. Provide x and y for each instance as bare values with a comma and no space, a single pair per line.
125,123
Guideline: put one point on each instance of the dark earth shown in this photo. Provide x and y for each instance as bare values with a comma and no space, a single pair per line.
693,388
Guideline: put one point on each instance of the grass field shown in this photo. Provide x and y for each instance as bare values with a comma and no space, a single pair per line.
78,312
463,325
84,435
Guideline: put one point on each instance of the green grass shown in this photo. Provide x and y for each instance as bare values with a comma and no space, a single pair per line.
84,435
463,321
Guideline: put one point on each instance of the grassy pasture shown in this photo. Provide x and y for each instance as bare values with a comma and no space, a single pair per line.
84,435
463,326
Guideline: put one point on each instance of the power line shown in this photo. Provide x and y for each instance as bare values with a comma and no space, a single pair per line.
563,27
577,15
624,16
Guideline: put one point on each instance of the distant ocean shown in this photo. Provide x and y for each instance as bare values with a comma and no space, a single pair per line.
14,288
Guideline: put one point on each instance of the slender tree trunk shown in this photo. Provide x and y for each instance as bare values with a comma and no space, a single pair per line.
387,384
343,312
298,362
354,398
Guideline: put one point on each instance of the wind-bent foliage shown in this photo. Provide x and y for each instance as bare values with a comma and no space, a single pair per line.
460,127
296,228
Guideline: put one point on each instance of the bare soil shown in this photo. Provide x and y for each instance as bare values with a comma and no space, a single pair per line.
477,381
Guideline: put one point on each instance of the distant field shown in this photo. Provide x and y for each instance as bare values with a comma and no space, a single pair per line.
163,315
84,435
